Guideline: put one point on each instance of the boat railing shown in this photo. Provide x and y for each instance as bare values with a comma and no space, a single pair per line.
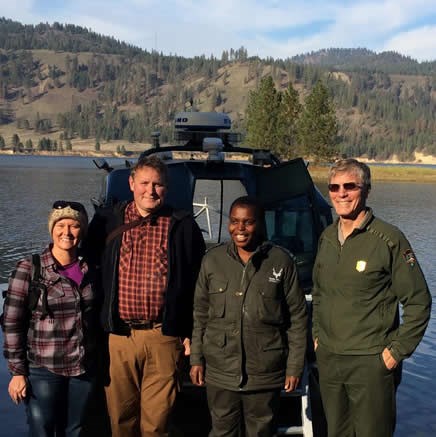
204,209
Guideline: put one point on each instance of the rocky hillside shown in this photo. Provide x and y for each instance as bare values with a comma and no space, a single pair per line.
66,83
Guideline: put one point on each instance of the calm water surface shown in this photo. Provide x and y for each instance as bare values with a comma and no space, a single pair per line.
30,184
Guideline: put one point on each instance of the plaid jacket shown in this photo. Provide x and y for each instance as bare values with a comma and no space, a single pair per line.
63,340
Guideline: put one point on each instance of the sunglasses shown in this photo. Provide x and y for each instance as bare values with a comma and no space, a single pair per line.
61,204
348,186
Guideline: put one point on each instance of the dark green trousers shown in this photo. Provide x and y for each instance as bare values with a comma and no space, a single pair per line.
358,394
239,413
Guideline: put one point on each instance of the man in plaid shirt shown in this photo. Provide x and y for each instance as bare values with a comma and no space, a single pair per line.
149,256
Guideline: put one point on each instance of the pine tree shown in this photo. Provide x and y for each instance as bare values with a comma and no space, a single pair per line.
28,145
290,111
97,144
318,127
263,115
15,141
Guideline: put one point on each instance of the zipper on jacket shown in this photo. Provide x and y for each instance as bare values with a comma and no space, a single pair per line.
241,288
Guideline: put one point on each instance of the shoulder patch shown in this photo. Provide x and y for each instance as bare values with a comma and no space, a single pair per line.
276,275
409,257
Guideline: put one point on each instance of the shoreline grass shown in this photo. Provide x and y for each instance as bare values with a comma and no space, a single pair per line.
319,173
386,173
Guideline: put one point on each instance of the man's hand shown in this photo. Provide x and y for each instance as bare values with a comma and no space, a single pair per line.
291,383
197,375
187,345
389,360
18,388
315,344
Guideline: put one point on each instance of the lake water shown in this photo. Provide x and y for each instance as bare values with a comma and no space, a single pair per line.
30,184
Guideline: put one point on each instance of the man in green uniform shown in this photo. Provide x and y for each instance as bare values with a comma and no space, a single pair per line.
249,336
364,269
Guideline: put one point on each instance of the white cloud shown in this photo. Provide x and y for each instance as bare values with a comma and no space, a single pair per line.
274,28
13,10
418,43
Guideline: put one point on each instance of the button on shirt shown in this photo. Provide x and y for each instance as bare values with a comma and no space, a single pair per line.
143,266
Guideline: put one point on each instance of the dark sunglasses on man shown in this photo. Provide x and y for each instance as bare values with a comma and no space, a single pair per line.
348,186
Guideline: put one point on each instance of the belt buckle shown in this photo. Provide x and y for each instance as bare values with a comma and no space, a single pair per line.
140,324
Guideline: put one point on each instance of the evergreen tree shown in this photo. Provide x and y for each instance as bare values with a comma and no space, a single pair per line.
97,144
15,141
28,145
262,116
290,111
318,127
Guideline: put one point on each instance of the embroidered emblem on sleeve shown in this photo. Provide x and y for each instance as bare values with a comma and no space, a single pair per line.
409,257
361,266
275,276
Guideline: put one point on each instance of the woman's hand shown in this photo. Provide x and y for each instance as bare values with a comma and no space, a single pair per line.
291,383
197,375
18,388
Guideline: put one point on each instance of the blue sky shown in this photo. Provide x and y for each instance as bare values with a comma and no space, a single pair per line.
267,28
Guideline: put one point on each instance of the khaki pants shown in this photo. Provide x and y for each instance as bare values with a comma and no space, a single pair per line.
143,382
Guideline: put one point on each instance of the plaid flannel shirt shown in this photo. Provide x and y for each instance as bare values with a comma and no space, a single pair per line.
143,267
59,343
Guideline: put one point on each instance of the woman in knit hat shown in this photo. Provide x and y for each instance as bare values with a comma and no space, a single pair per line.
50,324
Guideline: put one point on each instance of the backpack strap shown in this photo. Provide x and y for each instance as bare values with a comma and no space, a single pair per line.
38,289
178,214
123,228
35,271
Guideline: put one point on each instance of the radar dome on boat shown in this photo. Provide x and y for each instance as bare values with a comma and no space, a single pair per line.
198,121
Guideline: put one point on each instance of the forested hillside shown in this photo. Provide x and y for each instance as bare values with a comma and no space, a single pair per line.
63,82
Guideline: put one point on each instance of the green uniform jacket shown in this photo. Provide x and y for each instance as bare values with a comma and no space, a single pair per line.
357,289
250,321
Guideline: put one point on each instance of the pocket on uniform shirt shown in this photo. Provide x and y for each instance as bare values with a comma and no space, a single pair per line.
217,298
270,303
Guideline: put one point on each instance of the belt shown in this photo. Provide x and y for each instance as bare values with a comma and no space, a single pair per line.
142,324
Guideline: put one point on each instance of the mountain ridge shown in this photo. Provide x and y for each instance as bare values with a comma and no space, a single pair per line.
385,103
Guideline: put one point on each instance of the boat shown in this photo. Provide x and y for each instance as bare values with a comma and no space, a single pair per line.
207,171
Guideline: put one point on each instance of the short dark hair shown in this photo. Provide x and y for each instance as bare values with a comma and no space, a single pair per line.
153,162
259,211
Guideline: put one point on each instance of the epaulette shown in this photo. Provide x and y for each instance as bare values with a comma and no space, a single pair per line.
284,249
382,236
214,246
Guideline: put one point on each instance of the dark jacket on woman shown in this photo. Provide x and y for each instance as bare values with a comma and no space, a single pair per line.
250,321
185,250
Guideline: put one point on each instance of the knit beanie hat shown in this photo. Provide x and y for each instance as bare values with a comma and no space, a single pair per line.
72,210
